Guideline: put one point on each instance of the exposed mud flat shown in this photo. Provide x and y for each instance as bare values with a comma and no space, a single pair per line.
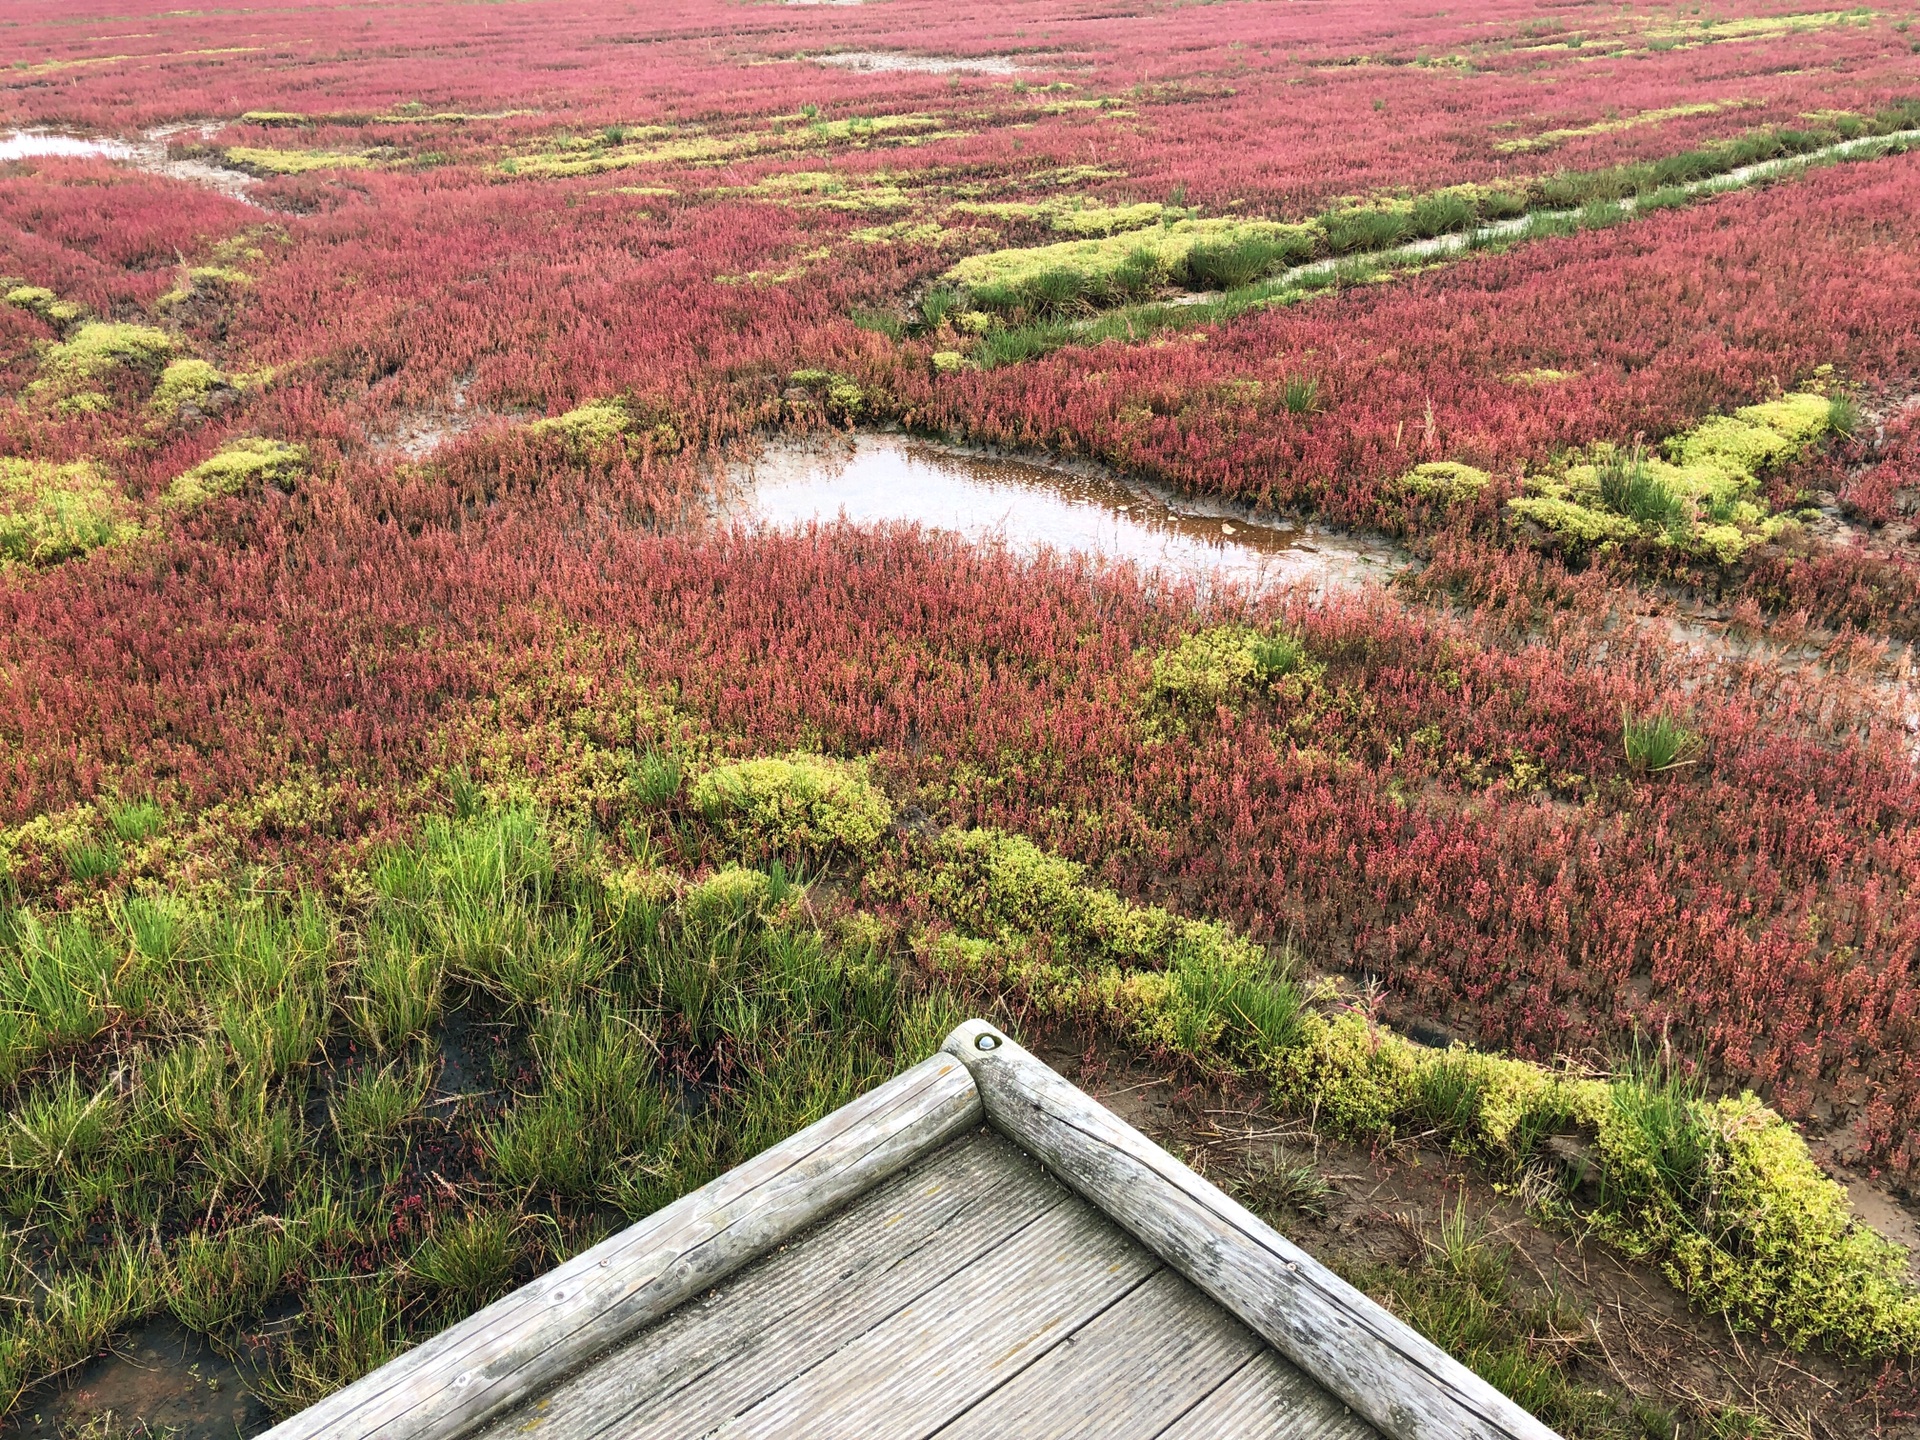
148,153
151,155
415,433
158,1381
896,60
1028,506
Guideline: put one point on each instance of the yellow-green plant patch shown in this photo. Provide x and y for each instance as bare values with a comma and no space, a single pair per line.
1446,480
587,426
1219,665
257,161
777,277
1758,1234
900,232
1801,417
1547,139
1206,668
789,134
802,807
1752,27
832,190
52,512
601,422
1583,525
100,347
38,300
1161,248
1072,215
1704,494
239,465
1542,376
842,396
204,280
1736,446
186,382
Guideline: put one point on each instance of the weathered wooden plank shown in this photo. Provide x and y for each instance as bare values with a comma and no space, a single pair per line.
1125,1375
928,1362
1269,1399
526,1341
716,1356
1407,1386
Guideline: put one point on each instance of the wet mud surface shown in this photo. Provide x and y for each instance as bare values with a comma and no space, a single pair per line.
160,1382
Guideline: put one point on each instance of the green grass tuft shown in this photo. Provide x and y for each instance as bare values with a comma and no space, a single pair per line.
1630,488
1657,743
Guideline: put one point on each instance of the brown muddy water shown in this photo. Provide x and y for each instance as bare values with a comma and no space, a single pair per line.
158,1382
1029,506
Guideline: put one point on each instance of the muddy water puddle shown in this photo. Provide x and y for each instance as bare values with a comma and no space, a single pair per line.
900,60
148,153
159,1381
27,144
882,479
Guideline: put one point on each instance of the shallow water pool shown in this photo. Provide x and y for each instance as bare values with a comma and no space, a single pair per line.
24,144
873,479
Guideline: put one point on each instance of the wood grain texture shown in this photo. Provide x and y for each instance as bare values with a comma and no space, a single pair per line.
929,1361
717,1356
1125,1375
526,1341
1269,1396
1408,1387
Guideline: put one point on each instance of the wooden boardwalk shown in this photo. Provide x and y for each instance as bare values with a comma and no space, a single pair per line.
975,1249
972,1296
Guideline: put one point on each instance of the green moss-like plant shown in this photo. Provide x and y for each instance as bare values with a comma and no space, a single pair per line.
1350,1077
258,161
803,807
97,349
1776,1244
238,466
38,300
1446,480
51,512
1721,1194
1583,526
588,426
1207,668
1736,446
599,423
1124,263
1702,498
185,382
1032,923
843,397
1215,666
1802,417
205,280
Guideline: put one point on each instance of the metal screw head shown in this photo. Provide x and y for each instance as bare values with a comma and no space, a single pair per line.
986,1041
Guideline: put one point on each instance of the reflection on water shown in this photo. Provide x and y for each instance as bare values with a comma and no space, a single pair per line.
24,143
872,479
148,153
